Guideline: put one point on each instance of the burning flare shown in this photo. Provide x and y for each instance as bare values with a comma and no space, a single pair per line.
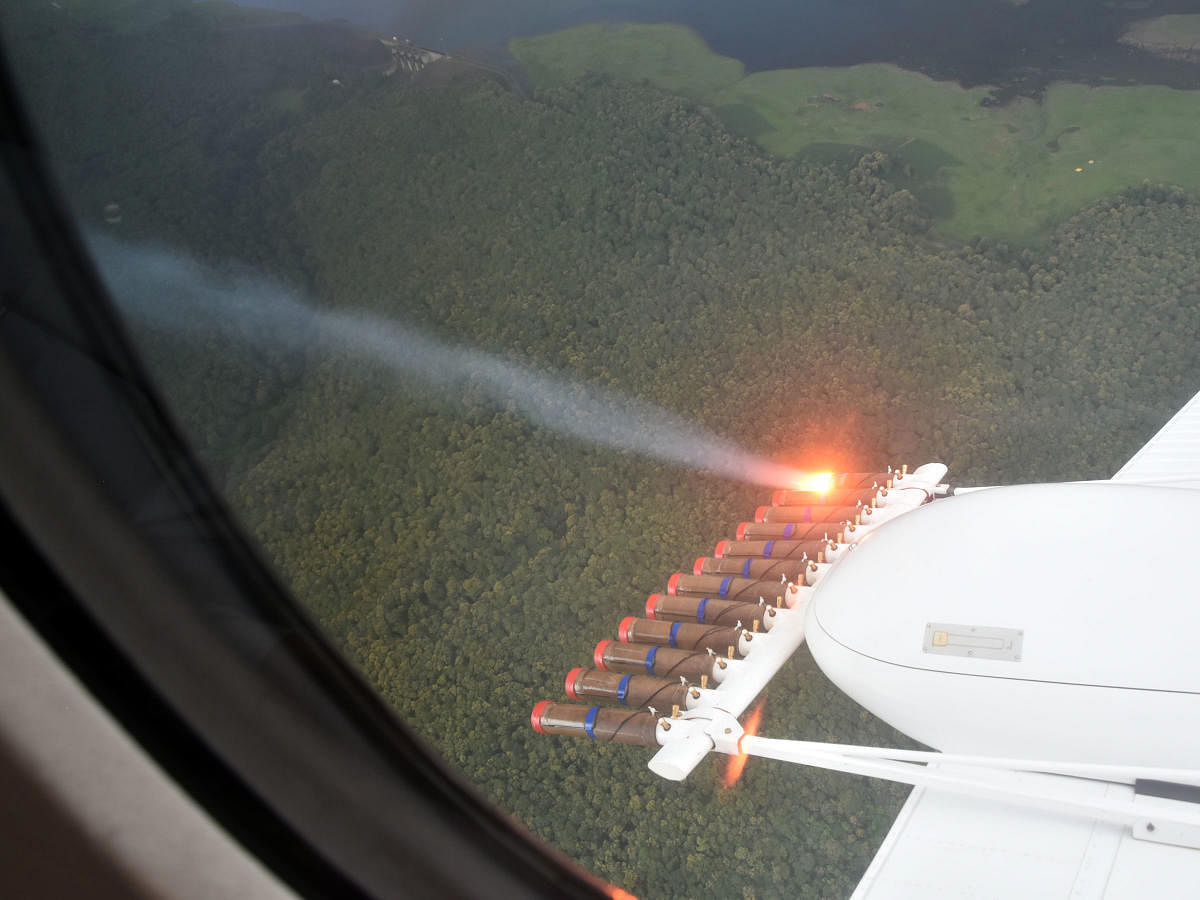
737,763
819,482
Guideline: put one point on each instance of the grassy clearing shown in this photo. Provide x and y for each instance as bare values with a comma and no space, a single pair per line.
1010,172
672,57
937,134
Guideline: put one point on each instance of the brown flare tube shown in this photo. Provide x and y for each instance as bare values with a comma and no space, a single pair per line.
680,635
636,691
835,497
790,531
747,567
599,723
646,659
726,587
804,514
772,549
708,611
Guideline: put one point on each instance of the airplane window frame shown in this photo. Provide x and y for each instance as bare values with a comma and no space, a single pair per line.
125,559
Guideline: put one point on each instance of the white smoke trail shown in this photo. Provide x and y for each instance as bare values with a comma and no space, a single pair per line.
169,290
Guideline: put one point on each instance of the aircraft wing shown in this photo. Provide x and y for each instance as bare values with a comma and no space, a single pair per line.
974,826
948,845
1171,457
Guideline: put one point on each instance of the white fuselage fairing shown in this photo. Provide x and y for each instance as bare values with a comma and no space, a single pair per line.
1056,621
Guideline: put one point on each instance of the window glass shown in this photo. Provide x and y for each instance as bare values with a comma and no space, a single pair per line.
486,319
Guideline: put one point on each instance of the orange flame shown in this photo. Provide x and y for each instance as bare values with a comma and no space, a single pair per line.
737,763
819,482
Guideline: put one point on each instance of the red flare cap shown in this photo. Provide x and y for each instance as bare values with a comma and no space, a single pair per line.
719,550
673,583
570,686
651,605
698,565
741,531
777,498
598,655
535,717
760,514
623,628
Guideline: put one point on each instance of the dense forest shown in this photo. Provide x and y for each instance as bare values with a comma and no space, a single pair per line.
465,558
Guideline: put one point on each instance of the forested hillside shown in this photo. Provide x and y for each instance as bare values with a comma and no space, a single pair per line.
464,558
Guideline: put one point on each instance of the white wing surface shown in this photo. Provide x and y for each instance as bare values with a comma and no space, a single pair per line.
1171,457
954,845
950,846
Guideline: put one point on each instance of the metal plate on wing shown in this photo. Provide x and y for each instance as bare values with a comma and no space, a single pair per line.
975,641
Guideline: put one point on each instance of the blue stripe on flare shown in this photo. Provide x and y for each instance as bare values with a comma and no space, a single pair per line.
623,689
768,548
808,514
788,530
674,633
589,724
746,568
700,610
725,582
650,660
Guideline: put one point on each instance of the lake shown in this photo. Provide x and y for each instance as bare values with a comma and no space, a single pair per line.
973,41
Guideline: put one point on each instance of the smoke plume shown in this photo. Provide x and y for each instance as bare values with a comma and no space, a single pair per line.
168,290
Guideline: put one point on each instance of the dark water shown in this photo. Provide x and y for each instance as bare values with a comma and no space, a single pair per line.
972,41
